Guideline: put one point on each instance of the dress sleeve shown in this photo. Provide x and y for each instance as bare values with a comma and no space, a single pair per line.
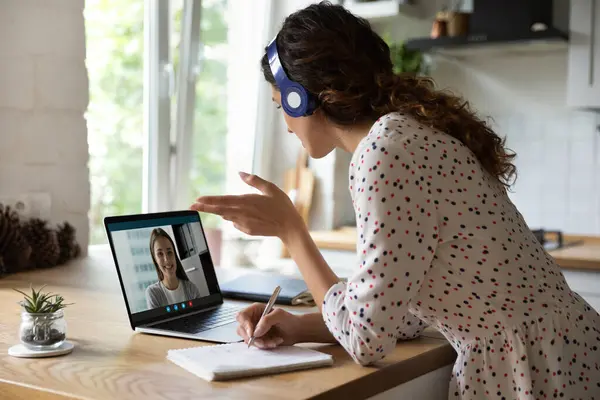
397,237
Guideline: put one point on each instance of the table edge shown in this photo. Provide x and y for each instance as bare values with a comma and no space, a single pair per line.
393,375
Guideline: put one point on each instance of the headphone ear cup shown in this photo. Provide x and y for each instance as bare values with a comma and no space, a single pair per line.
294,100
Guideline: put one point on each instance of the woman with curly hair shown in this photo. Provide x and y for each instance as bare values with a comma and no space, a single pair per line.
439,241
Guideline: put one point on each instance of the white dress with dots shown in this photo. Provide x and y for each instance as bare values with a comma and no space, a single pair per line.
441,244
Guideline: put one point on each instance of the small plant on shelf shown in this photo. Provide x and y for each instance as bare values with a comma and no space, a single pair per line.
405,60
409,61
42,320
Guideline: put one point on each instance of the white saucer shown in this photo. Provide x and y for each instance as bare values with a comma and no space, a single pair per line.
19,350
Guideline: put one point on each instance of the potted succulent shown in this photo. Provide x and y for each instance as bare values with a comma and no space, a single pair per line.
43,326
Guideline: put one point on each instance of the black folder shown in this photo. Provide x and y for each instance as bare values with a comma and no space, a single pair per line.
260,287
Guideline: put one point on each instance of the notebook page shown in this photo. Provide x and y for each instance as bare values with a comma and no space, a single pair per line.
238,357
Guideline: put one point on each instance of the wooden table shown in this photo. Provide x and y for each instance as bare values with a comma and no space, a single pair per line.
110,361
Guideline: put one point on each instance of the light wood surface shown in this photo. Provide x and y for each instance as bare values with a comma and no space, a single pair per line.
110,361
583,254
19,392
339,239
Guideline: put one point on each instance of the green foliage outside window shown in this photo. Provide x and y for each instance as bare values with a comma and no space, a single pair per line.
115,56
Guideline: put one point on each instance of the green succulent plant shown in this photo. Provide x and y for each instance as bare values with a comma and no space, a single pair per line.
39,302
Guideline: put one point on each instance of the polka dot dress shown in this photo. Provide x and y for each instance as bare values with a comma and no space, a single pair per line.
441,244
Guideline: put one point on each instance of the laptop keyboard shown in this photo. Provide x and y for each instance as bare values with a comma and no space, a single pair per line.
203,321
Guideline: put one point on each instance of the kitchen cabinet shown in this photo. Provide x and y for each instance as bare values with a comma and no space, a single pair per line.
375,10
583,80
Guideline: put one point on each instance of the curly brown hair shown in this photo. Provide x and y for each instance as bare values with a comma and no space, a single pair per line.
339,59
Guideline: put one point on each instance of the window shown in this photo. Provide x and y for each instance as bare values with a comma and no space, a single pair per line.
115,49
174,110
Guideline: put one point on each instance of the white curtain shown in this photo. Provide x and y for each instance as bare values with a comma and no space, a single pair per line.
250,27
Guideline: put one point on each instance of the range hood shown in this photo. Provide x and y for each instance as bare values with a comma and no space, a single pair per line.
517,26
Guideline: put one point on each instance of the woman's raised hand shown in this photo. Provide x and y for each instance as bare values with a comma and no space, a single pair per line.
271,213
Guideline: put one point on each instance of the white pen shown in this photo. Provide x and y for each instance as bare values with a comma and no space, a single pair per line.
267,310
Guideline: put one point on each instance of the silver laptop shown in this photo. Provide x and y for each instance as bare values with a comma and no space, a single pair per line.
167,277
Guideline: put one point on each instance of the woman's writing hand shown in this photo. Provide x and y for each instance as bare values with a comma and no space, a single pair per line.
277,328
271,213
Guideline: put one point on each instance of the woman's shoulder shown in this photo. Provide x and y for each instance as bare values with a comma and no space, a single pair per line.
398,125
190,287
186,283
153,287
391,131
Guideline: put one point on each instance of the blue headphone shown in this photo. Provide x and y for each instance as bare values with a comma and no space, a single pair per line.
295,99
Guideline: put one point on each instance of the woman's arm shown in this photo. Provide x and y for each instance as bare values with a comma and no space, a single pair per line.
398,234
314,269
314,329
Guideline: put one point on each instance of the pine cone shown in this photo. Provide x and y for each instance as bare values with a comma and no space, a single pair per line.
43,242
69,248
14,249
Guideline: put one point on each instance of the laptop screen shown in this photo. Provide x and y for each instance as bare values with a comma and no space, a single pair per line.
163,264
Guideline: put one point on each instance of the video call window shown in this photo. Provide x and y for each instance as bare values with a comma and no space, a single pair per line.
162,265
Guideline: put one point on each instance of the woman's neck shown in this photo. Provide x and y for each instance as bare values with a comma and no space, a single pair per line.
170,282
348,138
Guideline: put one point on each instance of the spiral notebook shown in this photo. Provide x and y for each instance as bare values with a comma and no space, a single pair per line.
236,360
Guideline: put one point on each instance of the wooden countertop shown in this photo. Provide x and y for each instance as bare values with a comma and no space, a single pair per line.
111,361
584,254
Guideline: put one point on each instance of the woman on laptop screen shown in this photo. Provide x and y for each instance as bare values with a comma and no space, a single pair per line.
173,285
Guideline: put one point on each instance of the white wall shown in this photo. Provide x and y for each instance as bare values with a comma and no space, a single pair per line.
43,95
558,149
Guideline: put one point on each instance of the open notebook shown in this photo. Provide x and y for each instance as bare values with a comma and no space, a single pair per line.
236,360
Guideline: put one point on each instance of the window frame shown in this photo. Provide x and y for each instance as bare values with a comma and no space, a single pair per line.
167,142
157,109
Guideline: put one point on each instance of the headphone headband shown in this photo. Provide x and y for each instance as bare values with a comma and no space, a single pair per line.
295,99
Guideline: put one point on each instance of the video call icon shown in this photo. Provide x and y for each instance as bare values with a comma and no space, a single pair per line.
182,305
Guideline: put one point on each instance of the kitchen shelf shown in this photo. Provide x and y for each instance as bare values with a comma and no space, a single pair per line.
466,46
375,9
